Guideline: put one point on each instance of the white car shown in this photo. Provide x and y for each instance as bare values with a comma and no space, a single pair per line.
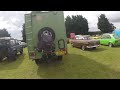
78,37
23,44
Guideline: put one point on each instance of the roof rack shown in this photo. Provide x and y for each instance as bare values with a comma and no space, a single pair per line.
6,38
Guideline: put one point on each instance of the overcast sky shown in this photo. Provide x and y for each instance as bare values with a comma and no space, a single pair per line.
13,20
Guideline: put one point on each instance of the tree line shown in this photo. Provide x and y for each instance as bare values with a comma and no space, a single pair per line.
4,33
75,24
79,25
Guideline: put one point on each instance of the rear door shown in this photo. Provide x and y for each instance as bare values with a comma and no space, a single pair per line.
105,39
108,39
18,46
29,33
12,44
3,48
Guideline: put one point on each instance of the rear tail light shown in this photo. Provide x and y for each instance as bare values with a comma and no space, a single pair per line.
65,50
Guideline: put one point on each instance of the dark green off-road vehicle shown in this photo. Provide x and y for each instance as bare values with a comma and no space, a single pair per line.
46,35
9,47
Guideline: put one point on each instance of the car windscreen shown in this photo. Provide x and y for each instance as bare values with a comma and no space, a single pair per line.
86,37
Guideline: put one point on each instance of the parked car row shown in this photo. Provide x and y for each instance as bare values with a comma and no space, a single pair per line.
10,47
86,41
110,40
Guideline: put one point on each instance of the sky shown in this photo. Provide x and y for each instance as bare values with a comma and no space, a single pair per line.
13,20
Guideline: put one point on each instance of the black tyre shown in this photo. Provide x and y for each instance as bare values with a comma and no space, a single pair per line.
21,52
110,45
16,53
60,58
49,30
83,48
12,56
94,48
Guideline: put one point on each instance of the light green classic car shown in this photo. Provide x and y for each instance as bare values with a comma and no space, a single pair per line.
110,40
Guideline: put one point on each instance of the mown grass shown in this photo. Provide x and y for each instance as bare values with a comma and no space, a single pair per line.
102,63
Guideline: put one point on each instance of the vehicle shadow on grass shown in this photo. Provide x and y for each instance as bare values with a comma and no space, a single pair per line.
98,49
8,65
76,67
116,47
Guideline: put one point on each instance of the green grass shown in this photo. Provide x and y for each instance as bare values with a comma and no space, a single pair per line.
102,63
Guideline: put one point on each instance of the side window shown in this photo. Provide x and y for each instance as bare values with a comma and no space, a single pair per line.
108,37
8,43
12,42
103,36
17,42
81,37
76,37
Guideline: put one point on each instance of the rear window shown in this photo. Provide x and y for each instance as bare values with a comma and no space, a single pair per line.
12,42
87,38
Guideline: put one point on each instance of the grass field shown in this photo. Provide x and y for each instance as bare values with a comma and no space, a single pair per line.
102,63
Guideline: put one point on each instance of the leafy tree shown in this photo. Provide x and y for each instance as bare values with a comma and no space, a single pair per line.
76,24
104,25
23,33
4,33
68,24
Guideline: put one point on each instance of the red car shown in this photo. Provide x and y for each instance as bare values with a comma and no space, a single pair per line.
85,42
72,35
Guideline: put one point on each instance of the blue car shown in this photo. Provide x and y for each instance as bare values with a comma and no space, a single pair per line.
116,33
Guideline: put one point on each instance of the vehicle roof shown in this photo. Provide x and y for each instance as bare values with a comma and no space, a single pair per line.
86,35
78,35
83,35
107,34
6,38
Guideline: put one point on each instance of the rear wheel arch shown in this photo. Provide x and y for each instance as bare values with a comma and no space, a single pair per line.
83,47
15,52
110,42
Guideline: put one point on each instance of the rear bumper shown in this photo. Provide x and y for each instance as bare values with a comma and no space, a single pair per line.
61,52
92,46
